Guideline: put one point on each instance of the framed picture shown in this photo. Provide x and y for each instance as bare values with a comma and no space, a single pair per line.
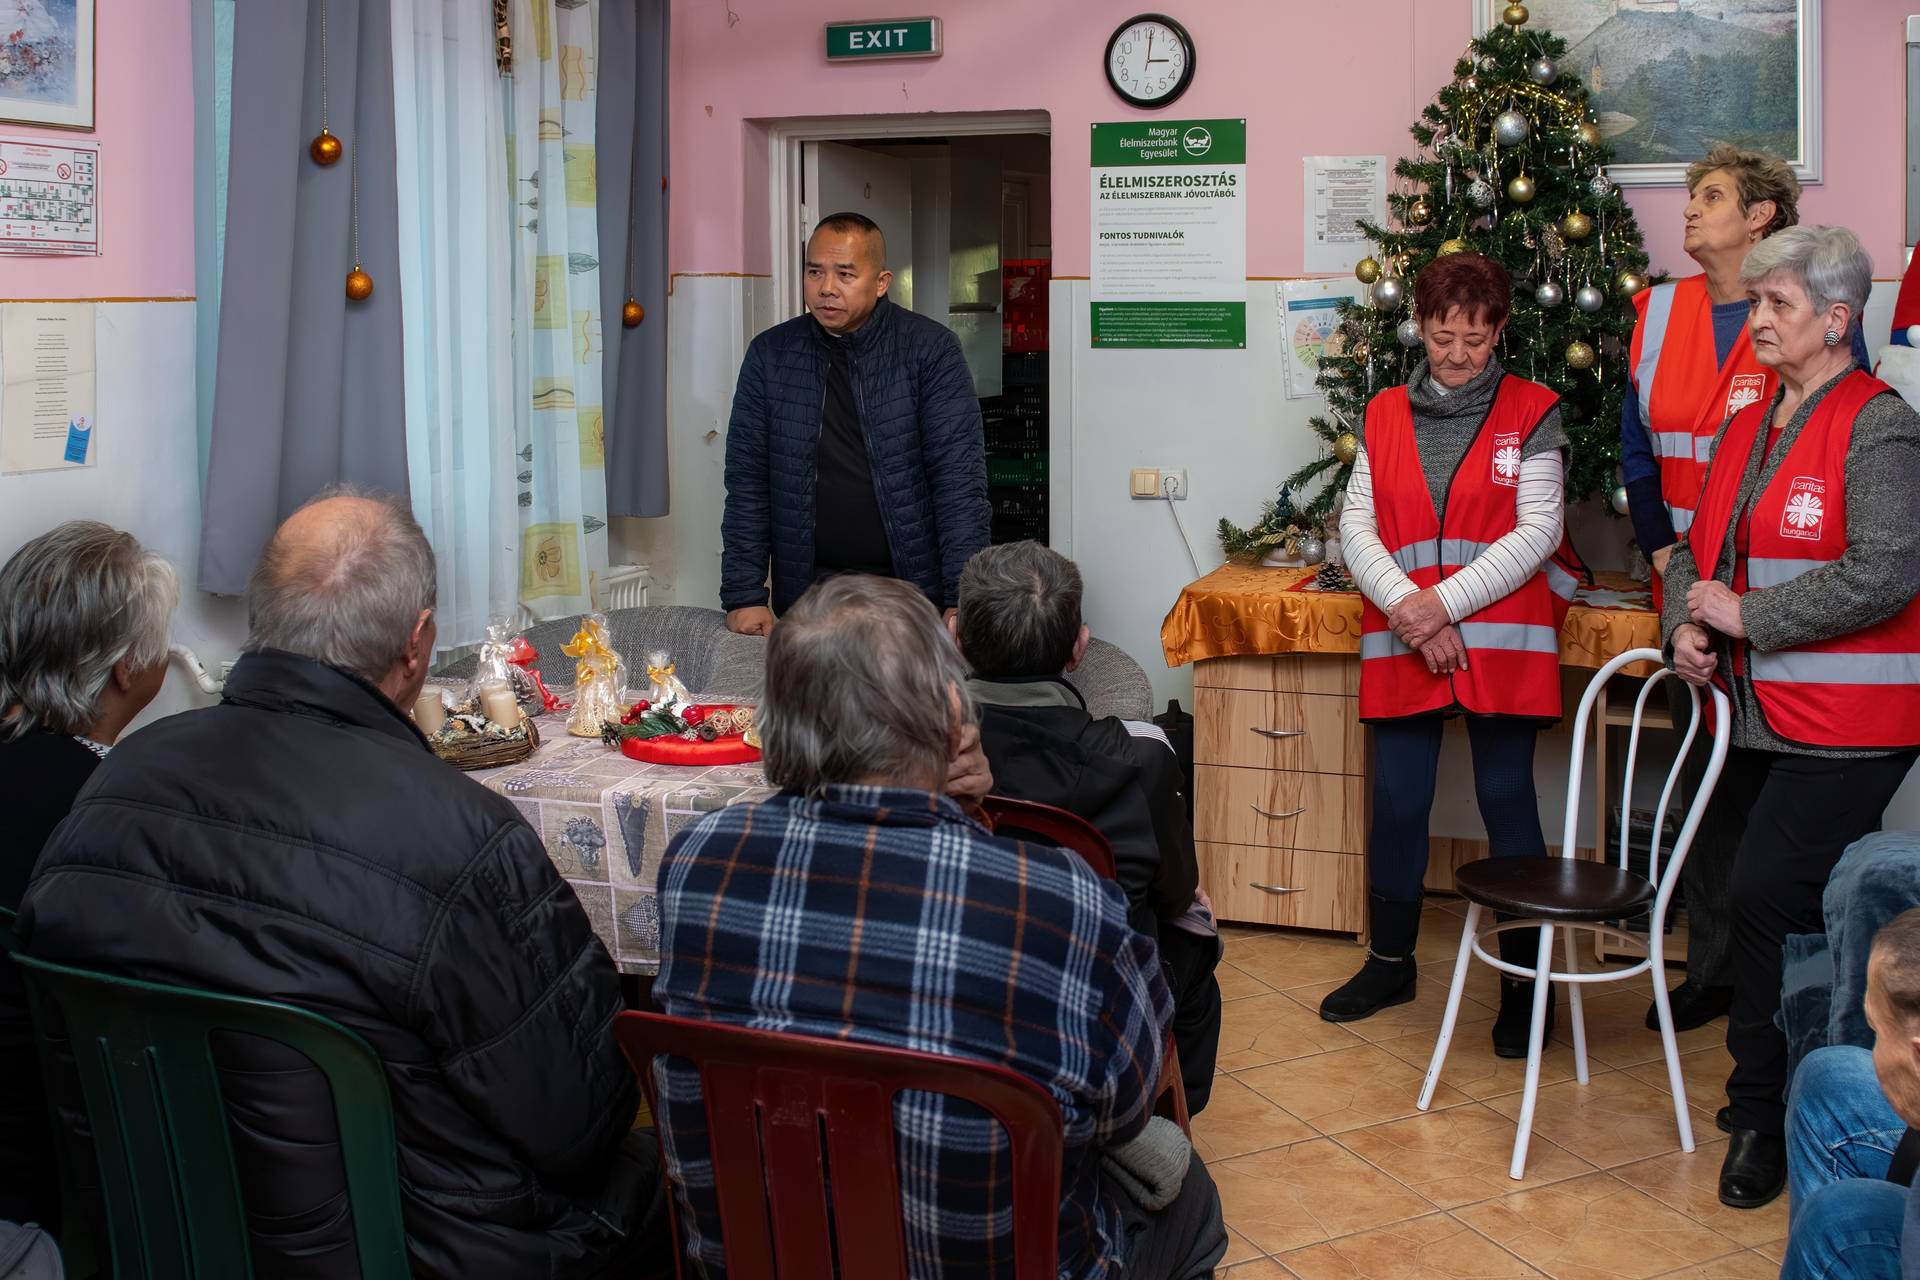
46,63
1669,78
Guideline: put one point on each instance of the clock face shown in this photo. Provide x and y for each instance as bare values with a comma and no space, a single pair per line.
1150,60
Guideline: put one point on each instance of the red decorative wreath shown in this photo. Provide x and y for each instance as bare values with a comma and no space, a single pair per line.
642,738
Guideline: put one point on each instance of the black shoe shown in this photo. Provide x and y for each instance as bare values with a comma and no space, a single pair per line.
1388,976
1723,1119
1755,1169
1692,1006
1513,1028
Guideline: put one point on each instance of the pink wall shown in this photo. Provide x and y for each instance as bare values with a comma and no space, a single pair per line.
143,118
1309,77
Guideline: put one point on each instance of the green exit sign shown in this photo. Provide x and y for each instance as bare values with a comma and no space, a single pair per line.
883,38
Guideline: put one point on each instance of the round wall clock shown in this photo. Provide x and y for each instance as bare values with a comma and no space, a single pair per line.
1150,60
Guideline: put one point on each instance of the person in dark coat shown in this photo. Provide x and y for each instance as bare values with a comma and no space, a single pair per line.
855,443
84,611
300,842
1019,628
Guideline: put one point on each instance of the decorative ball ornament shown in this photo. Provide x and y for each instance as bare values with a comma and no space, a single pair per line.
1580,355
1589,299
1389,292
1589,134
1600,186
1628,283
1366,271
1549,294
1618,499
1515,15
1360,351
1313,549
1346,447
1542,71
359,285
1510,128
1450,247
1489,64
1471,84
1408,332
1576,226
1520,190
1480,193
1419,213
632,313
325,148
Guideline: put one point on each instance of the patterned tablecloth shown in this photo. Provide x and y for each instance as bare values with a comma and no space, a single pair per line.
606,821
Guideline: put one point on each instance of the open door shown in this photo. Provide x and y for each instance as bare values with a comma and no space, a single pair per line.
843,179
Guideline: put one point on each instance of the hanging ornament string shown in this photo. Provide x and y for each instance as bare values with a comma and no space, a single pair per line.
359,283
631,312
325,148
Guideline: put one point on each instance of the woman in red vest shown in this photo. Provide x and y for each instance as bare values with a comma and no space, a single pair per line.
1795,591
1452,520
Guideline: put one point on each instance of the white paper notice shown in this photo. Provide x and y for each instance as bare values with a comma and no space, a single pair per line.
1309,314
1341,190
46,386
47,203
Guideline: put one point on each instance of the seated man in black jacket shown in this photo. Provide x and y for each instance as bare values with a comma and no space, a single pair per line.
1019,628
300,842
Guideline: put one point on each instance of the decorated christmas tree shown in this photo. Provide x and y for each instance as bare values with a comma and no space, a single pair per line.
1511,165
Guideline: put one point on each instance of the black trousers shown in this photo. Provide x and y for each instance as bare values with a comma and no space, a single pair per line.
1190,960
1183,1241
1795,816
1708,875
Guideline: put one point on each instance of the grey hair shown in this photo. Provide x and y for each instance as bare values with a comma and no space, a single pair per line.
1019,611
860,677
1827,262
349,598
73,602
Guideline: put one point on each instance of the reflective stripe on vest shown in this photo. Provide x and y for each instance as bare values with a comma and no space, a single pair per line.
1653,336
1682,520
1771,571
1809,666
1515,637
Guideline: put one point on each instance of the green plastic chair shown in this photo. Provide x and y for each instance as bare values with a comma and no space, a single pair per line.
174,1206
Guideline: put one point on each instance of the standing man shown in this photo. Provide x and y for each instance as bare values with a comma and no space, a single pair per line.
855,444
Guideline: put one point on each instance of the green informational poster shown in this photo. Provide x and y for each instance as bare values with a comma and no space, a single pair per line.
1170,233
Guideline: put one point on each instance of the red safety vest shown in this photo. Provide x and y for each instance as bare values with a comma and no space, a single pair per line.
1513,645
1860,690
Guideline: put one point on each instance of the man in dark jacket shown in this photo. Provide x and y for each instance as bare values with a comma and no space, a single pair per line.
855,444
300,842
1019,627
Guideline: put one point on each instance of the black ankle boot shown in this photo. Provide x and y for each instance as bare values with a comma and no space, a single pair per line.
1388,976
1514,1027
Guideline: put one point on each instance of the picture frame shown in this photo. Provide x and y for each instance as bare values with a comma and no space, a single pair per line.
46,64
1653,66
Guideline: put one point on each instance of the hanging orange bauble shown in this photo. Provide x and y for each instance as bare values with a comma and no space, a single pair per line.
633,313
325,148
359,284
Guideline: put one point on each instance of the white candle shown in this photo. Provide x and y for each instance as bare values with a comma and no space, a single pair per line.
430,712
498,702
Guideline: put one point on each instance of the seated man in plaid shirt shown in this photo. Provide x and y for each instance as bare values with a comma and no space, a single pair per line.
861,903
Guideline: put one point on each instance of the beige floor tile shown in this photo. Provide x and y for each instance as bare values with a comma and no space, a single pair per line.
1349,1089
1612,1120
1297,960
1452,903
1745,1265
1776,1251
1435,1246
1617,1034
1238,1120
1290,1197
1690,1182
1236,983
1472,1066
1594,1228
1705,1073
1421,1014
1274,1028
1483,980
1259,1269
1459,1156
1439,935
1239,1249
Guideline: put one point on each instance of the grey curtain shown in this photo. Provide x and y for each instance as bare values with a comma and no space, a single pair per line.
308,389
630,125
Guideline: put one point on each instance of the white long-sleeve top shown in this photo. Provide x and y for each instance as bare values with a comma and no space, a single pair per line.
1503,568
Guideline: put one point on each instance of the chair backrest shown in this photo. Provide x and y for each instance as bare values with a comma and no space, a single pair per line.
1112,683
1046,824
174,1203
1722,729
800,1128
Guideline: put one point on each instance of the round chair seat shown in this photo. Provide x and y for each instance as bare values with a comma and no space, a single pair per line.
1553,888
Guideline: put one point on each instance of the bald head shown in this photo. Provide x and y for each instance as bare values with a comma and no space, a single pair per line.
348,580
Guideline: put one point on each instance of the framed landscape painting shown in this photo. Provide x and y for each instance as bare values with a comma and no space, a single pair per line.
1669,78
46,63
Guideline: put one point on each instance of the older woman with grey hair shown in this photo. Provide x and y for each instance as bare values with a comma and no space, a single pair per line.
1795,591
83,647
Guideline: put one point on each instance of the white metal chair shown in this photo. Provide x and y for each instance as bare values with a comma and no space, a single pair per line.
1566,894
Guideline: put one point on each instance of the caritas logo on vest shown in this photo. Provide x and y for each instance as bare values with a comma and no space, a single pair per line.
1745,390
1506,459
1806,509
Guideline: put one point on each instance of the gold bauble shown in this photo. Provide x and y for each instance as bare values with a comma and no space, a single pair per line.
1628,283
359,284
1580,355
1589,133
1346,447
1576,226
1366,271
1520,190
325,148
1515,15
1420,213
632,313
1451,246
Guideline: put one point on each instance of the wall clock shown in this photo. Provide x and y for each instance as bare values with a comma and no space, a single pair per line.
1150,60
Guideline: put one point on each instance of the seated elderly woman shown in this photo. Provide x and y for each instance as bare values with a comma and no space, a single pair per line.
83,648
1794,591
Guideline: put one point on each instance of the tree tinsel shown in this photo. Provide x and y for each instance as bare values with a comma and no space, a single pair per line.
1462,178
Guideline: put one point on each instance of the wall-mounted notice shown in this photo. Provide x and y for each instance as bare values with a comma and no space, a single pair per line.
1309,328
1341,190
1170,234
47,204
47,418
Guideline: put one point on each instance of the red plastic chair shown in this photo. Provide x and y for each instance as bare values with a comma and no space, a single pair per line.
784,1109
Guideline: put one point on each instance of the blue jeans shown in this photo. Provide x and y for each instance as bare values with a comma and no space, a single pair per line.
1841,1132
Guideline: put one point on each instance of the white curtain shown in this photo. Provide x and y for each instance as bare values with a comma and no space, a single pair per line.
456,303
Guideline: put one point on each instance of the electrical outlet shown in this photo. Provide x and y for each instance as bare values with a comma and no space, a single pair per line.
1173,484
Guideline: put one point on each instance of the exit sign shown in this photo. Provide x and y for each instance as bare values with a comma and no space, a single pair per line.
883,38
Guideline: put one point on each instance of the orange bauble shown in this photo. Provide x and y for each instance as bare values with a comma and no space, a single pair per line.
326,149
633,313
359,285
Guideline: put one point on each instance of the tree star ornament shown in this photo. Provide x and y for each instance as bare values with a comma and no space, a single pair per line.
1515,15
1367,270
1510,128
1580,355
1346,447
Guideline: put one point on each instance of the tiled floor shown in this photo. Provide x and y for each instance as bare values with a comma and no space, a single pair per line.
1328,1172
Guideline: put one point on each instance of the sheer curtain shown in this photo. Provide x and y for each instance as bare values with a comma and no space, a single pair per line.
450,154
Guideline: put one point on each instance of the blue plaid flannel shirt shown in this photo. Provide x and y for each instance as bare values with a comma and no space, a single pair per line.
890,917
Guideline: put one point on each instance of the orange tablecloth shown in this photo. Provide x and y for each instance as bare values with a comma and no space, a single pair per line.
1243,609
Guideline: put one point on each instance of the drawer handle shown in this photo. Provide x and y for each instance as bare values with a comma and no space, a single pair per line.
1275,888
1291,813
1277,733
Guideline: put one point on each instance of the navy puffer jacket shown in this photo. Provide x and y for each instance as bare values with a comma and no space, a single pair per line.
921,422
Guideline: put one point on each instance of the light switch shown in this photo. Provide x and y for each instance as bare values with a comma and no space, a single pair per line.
1145,482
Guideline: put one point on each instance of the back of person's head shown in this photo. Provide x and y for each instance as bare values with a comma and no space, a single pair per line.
1893,1010
75,602
1019,611
863,686
343,581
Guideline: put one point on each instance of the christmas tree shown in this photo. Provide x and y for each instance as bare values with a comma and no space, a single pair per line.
1509,165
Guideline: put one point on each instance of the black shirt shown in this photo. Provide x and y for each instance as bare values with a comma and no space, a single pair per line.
848,533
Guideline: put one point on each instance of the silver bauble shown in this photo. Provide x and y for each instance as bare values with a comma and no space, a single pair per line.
1471,84
1600,186
1480,193
1408,332
1490,64
1312,550
1549,294
1619,499
1589,299
1543,71
1389,292
1510,128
